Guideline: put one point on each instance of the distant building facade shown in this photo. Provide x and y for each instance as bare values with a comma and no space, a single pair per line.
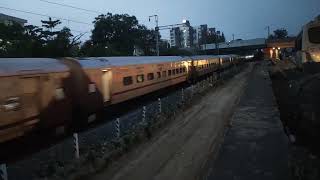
200,35
175,37
187,36
9,20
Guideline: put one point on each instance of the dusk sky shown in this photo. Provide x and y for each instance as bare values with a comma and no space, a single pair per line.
244,18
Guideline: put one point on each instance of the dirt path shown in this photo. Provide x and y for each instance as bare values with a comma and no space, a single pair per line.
181,149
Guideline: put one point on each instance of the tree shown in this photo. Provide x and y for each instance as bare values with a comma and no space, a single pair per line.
279,34
50,25
222,38
33,41
146,40
119,30
117,35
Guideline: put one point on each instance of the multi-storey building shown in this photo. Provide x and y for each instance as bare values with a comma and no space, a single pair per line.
187,36
9,20
175,37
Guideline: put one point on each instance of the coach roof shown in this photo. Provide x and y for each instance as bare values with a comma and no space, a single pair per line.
23,66
93,62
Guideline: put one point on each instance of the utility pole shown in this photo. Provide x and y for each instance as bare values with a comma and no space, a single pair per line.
268,28
233,37
156,18
217,42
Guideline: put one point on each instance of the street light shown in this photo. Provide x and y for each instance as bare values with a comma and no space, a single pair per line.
156,18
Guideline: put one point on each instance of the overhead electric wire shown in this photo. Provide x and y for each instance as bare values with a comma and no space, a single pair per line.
45,15
74,7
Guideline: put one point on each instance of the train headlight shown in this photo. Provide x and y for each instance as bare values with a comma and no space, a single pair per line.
315,57
12,104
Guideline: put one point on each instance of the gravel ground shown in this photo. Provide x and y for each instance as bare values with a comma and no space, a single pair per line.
180,150
255,146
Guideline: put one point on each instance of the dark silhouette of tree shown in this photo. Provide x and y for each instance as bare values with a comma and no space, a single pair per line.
117,35
279,34
222,38
33,41
50,24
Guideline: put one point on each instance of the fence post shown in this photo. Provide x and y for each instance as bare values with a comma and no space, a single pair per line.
76,145
117,127
3,172
182,95
144,110
192,90
159,105
203,84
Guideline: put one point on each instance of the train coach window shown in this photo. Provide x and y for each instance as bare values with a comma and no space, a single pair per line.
150,76
169,72
314,35
140,78
159,75
127,81
164,74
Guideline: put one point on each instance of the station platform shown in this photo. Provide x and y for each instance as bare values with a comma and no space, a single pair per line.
255,146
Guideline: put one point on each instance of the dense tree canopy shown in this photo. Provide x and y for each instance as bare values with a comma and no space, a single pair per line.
213,38
116,35
33,41
279,34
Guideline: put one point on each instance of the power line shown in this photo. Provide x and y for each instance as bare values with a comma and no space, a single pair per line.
73,7
44,15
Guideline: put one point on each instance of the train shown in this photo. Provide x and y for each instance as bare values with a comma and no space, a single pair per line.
48,94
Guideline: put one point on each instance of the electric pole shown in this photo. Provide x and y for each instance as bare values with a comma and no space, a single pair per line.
156,18
268,28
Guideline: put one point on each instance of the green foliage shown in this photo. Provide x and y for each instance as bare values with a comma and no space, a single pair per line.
174,51
33,41
113,35
116,35
214,38
279,34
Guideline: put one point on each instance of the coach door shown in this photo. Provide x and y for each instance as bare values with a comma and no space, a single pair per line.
106,84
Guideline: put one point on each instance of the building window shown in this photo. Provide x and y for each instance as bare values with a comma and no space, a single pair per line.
150,76
184,69
173,72
159,75
127,81
164,74
140,78
169,72
181,70
177,71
